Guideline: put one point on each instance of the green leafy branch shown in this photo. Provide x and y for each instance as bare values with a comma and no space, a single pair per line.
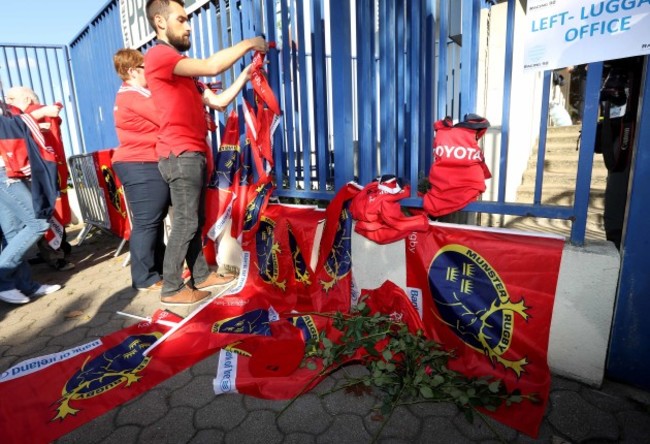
404,367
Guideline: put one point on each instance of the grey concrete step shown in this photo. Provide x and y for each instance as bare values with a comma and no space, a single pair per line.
562,180
559,182
563,196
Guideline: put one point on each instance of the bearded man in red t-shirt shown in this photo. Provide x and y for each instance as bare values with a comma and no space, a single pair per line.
181,147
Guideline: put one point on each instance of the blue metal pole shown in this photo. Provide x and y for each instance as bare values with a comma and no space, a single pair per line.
629,355
341,35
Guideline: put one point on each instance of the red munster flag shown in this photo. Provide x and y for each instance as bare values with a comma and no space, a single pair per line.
220,190
113,192
44,398
267,367
489,295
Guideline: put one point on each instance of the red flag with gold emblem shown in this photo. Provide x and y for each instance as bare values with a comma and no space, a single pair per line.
46,397
113,192
489,295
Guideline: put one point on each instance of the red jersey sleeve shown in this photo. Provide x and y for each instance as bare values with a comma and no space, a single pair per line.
160,62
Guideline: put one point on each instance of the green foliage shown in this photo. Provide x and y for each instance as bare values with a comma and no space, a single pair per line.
405,367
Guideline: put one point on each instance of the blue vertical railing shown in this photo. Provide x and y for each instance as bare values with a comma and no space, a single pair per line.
359,91
45,69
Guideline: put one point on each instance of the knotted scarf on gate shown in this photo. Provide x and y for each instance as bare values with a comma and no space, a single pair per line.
489,295
378,212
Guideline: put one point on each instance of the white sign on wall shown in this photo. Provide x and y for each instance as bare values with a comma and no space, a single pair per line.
136,30
571,32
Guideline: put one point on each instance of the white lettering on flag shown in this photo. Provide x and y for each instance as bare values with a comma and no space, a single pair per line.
36,364
225,382
415,296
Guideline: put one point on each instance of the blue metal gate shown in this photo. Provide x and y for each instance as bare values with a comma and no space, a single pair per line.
360,83
46,70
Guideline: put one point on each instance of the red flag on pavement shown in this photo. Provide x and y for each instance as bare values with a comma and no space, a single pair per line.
259,371
489,295
46,397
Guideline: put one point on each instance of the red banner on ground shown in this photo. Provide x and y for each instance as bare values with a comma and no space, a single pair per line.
46,397
270,369
489,296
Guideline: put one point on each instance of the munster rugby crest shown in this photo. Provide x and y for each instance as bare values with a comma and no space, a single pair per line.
473,301
254,322
113,191
119,365
254,207
300,269
223,175
339,260
268,251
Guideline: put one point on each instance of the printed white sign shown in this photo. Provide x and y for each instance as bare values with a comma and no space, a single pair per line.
572,32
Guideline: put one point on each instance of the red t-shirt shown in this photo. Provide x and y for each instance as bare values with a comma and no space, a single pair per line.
137,124
183,124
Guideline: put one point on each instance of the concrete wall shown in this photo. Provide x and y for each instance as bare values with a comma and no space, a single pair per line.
582,314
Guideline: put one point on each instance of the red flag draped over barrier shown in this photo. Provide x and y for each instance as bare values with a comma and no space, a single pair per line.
113,192
489,296
46,397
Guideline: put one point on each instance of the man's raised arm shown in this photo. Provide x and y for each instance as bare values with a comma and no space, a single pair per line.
219,61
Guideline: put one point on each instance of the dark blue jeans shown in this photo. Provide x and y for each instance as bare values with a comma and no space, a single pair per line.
186,176
147,195
21,230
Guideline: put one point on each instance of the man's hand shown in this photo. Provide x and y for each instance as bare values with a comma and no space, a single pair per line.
259,44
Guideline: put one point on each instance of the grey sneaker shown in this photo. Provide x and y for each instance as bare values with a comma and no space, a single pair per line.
13,296
46,289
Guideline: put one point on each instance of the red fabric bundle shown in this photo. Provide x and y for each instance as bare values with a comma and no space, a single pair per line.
458,173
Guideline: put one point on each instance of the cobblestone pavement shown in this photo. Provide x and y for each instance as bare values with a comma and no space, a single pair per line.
184,408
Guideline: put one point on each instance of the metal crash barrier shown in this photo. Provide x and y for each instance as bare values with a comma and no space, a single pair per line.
100,196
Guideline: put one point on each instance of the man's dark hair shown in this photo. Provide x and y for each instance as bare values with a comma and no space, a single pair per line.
159,7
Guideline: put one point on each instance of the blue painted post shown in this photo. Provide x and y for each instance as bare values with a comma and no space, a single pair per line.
428,81
288,96
319,61
274,82
629,355
466,60
442,59
367,160
226,77
414,148
401,91
341,35
388,87
507,89
304,105
541,145
73,100
586,156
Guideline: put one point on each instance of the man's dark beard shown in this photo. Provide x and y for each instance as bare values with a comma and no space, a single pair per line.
178,42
